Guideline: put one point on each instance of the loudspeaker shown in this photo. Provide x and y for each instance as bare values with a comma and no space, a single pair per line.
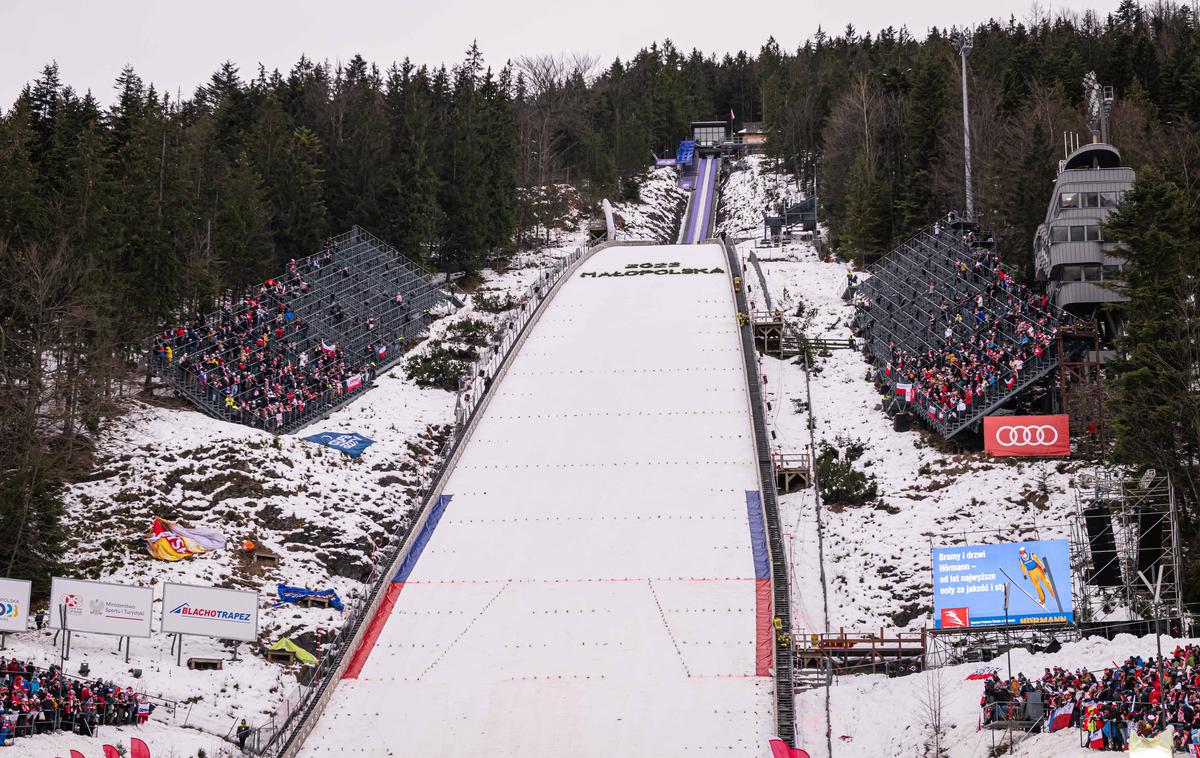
1150,541
1106,571
902,421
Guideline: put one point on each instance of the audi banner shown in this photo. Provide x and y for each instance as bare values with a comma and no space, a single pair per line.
1035,436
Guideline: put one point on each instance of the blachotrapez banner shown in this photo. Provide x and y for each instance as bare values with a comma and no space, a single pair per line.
14,605
210,612
100,607
970,581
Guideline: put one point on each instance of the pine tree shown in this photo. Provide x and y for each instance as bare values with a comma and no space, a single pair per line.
462,200
1155,411
410,205
242,235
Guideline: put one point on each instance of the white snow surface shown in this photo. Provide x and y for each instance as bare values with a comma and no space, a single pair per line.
747,194
877,555
657,215
314,507
589,590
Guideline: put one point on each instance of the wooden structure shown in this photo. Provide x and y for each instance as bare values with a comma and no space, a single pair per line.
774,336
264,556
313,601
793,471
280,656
845,652
206,664
768,330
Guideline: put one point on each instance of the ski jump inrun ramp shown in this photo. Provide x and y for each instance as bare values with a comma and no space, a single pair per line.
702,203
595,580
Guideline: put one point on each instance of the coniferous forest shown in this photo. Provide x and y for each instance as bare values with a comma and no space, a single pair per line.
120,210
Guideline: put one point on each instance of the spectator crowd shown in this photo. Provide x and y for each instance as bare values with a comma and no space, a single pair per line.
35,701
1110,705
984,331
261,363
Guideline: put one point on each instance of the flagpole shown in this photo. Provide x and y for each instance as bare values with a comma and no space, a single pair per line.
1007,643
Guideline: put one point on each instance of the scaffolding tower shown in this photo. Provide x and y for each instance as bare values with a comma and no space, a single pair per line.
1134,533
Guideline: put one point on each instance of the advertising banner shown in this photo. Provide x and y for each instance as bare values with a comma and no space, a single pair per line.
100,607
210,612
1036,436
14,605
350,443
970,584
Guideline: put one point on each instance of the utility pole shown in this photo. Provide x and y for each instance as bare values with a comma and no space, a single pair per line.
1156,590
1007,643
964,49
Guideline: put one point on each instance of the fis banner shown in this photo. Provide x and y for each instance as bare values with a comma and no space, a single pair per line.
350,443
972,584
1036,436
210,612
14,605
100,607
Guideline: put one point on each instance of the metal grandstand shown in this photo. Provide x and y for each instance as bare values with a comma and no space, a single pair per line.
358,296
911,287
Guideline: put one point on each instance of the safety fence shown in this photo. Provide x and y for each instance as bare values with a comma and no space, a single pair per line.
785,696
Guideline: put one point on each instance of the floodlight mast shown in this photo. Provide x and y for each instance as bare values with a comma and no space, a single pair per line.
964,49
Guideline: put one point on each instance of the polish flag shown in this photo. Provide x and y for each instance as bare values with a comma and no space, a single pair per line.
354,382
1060,718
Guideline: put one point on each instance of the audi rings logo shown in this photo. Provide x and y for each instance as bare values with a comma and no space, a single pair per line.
1027,436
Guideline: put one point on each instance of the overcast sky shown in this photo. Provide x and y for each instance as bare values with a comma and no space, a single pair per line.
177,44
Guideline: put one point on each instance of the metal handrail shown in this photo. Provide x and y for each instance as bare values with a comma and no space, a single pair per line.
785,703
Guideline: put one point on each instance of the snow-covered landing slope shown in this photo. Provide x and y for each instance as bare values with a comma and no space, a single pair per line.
589,590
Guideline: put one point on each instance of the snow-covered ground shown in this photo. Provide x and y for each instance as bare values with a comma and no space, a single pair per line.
877,555
590,589
752,187
324,515
657,214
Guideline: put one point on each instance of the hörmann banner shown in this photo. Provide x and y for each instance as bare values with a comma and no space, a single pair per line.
100,607
210,612
14,605
1034,436
969,584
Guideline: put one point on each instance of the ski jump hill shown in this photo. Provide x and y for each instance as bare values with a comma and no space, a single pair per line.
593,579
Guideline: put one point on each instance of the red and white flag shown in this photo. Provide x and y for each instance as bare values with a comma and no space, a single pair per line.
1060,718
354,382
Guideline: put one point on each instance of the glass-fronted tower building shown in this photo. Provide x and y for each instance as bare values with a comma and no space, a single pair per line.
1070,252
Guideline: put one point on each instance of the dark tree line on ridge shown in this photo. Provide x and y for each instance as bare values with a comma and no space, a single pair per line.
115,217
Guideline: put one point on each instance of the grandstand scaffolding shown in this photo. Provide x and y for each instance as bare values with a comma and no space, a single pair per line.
323,331
1126,528
926,283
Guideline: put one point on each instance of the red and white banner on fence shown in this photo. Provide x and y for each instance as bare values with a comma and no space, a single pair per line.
1034,436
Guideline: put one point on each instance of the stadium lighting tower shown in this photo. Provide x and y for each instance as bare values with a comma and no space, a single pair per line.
963,44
